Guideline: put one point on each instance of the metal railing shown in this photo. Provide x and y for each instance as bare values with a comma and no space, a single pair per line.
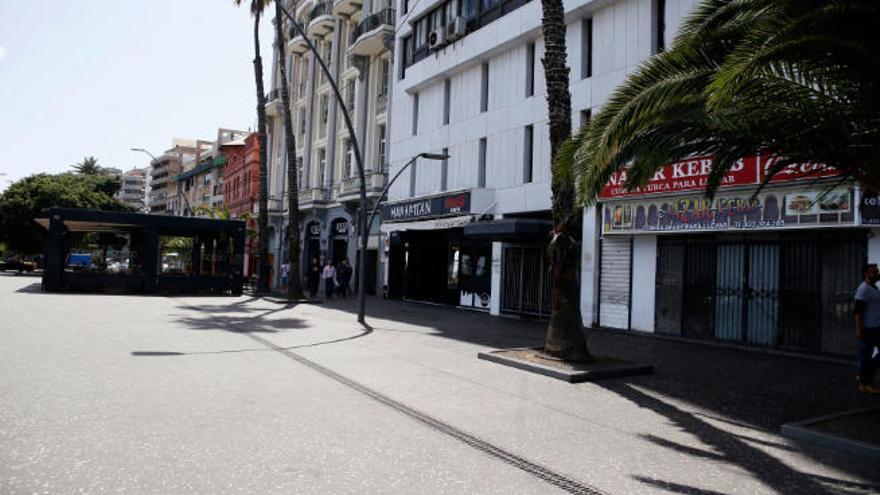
386,16
273,95
322,8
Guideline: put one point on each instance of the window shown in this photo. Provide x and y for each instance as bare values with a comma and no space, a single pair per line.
412,177
325,109
481,171
484,87
530,69
444,170
322,165
415,115
405,7
349,94
302,122
586,115
380,131
383,77
659,12
406,50
348,158
447,90
587,48
528,147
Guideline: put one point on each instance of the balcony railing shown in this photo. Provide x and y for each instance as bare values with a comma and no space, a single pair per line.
386,16
381,103
322,8
273,95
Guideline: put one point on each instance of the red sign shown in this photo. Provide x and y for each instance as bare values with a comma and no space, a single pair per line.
693,174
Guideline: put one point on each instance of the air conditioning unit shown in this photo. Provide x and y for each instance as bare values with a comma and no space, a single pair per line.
436,39
456,28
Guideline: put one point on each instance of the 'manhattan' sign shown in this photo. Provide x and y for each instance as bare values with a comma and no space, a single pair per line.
452,204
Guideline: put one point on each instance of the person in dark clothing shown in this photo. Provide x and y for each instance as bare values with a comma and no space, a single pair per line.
313,278
867,315
329,276
343,276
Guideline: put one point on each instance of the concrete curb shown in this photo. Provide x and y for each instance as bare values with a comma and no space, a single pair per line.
607,369
801,430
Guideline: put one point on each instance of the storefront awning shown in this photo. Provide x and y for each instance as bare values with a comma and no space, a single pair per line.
435,224
509,229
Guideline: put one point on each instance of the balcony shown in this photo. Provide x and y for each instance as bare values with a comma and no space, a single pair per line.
312,197
273,102
374,34
321,20
346,7
349,189
296,44
381,103
303,9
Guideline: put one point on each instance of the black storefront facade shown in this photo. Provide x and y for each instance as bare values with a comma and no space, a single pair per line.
428,256
774,268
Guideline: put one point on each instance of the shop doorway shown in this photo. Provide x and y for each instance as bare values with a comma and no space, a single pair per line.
526,281
339,240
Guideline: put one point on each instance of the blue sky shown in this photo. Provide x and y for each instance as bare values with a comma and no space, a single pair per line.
97,77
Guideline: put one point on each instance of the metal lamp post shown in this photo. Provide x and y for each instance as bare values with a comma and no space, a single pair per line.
427,156
142,150
362,255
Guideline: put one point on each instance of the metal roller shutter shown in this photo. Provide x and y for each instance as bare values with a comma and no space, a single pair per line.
615,281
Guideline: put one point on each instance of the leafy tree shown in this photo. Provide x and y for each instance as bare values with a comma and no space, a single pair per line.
257,7
798,79
565,337
31,197
88,166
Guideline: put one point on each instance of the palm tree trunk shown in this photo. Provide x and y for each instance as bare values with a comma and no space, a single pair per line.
565,337
263,214
294,280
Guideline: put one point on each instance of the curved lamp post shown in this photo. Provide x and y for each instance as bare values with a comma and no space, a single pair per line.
427,156
362,255
142,150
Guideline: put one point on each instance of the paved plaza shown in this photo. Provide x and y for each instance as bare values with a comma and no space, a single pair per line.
107,393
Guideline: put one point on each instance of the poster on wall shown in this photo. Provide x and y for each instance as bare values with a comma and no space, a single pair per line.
745,211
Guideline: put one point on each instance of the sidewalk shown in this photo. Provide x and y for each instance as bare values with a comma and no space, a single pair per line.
707,421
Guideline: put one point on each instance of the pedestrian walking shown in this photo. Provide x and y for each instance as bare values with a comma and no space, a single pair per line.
313,277
285,272
343,276
329,275
867,316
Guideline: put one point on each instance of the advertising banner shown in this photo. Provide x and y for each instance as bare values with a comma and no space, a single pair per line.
693,175
450,204
745,211
870,208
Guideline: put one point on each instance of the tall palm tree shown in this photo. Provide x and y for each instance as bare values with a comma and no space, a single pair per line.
798,79
88,166
257,7
565,337
294,280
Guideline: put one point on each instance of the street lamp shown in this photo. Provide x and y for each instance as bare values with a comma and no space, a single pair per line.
362,255
427,156
153,157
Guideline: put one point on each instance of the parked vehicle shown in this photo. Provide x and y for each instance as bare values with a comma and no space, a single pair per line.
19,266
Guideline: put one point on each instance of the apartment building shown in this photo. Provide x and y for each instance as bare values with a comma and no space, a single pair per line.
163,169
469,83
133,189
200,182
355,39
241,189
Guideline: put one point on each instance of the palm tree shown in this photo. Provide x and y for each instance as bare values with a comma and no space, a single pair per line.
257,7
294,281
88,166
565,337
794,79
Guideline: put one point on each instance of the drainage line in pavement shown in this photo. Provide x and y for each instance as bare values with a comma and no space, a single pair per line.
563,482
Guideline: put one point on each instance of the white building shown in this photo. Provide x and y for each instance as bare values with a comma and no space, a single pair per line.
469,82
133,189
355,39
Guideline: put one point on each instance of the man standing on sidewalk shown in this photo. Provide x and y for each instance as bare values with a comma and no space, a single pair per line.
867,314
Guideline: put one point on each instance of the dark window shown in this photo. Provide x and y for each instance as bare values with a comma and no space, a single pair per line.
412,178
405,7
447,100
586,115
415,114
481,172
484,87
528,146
444,171
530,69
659,25
587,48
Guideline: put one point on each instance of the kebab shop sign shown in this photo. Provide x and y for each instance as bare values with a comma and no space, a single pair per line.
693,174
